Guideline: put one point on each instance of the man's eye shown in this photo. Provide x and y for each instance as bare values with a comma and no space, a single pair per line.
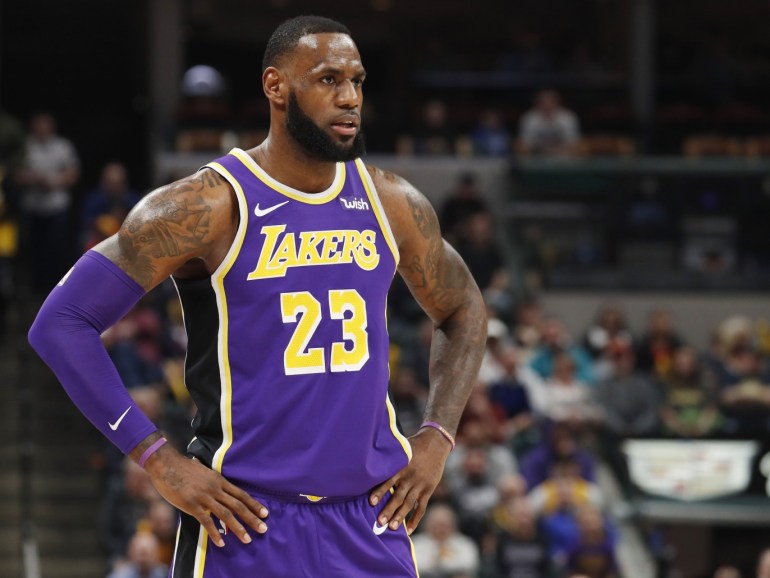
328,80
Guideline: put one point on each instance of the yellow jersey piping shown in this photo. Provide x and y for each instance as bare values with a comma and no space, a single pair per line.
294,194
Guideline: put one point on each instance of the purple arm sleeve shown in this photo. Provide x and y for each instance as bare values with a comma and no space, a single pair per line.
66,334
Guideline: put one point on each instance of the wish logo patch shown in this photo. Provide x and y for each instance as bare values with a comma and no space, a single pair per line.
355,204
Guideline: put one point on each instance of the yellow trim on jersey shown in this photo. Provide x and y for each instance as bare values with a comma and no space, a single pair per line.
217,282
310,198
397,434
379,212
414,556
200,553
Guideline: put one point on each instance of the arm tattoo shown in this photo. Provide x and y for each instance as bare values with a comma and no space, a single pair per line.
173,224
431,271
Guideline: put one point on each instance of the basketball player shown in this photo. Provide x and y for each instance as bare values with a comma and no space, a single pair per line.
282,256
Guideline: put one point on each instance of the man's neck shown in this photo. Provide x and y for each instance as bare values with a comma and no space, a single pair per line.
289,164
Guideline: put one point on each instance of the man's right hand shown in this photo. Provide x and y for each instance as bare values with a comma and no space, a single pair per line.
200,492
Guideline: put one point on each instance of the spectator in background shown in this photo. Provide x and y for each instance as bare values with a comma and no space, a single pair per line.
763,564
490,137
629,399
689,404
727,572
564,490
527,329
462,202
655,349
434,135
561,441
105,207
606,334
548,129
143,559
52,170
567,398
441,551
161,523
555,340
479,249
744,391
408,396
522,549
12,157
630,402
514,397
593,555
127,502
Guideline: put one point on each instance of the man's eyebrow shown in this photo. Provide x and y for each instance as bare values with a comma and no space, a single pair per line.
328,69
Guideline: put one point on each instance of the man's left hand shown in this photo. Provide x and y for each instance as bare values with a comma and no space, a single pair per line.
415,484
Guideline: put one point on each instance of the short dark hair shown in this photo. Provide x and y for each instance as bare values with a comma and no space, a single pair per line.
286,37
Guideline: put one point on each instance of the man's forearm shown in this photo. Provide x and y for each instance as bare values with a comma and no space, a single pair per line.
66,334
455,356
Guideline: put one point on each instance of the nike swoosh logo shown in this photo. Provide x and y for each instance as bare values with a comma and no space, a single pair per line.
262,212
377,529
114,426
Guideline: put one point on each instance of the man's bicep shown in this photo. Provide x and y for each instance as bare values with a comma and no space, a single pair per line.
169,227
431,268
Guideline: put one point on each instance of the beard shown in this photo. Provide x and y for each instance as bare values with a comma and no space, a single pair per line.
315,141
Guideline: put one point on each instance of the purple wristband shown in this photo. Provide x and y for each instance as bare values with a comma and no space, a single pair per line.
449,437
156,445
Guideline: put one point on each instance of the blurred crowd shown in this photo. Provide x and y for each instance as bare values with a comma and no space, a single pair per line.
520,497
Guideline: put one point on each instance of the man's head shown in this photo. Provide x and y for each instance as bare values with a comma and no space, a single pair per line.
763,564
312,75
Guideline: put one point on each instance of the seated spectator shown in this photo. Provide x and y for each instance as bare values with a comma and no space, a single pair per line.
513,395
763,564
727,572
605,335
522,548
655,349
161,522
593,555
555,339
499,296
561,441
566,398
629,399
434,135
408,396
744,391
475,493
462,202
564,489
127,501
143,560
527,328
105,208
441,551
548,129
689,404
475,435
480,250
490,137
491,369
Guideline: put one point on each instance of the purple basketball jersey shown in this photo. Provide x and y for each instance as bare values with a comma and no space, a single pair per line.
288,346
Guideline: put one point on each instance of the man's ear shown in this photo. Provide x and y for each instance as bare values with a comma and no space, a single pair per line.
274,86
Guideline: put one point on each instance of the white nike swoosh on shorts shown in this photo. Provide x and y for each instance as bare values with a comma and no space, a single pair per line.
377,529
262,212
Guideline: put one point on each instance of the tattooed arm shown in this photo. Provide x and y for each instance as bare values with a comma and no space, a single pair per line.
185,228
194,218
444,288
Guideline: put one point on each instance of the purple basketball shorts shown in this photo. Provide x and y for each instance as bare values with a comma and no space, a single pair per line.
324,539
